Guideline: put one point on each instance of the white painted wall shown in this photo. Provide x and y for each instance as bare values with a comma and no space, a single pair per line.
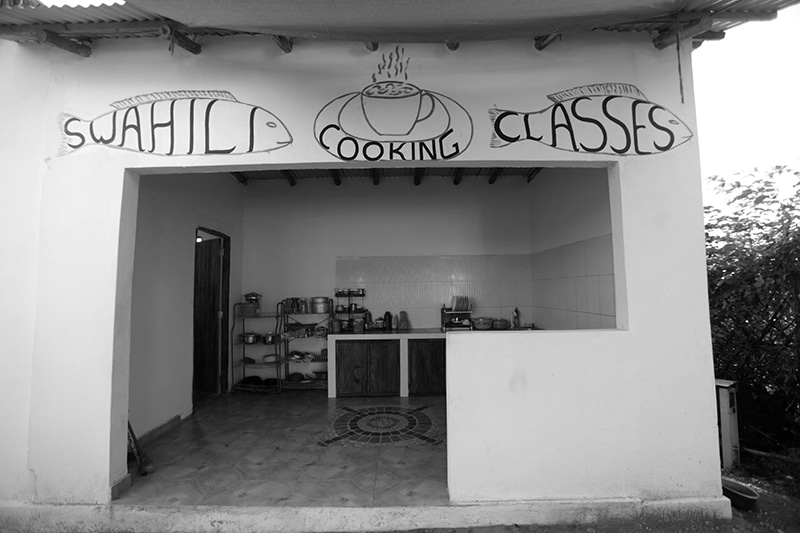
171,208
295,234
615,383
20,185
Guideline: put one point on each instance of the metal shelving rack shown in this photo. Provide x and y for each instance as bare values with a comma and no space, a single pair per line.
271,387
292,325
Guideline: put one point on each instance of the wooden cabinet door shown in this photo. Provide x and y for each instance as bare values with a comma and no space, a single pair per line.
384,368
426,367
351,368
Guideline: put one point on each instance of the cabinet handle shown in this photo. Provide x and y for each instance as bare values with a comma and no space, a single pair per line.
356,379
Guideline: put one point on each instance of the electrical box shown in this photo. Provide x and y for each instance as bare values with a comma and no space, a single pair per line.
727,422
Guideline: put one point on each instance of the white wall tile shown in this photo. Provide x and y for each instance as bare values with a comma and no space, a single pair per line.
592,294
594,321
581,294
508,290
606,288
570,294
572,320
608,322
575,260
524,292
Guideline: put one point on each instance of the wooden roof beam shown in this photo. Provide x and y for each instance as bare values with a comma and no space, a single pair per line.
452,45
532,173
337,179
241,177
371,46
494,174
457,175
710,36
419,172
671,37
543,41
376,176
181,39
289,177
284,43
48,37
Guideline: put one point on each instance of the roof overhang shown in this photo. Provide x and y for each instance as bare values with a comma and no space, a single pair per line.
185,22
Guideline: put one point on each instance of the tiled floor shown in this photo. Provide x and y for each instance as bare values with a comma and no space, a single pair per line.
262,449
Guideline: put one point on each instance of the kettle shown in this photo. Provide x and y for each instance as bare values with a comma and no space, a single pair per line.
387,319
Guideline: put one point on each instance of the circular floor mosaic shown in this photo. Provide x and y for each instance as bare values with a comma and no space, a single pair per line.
382,425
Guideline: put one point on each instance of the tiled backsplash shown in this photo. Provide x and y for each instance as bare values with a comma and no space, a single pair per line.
419,285
569,287
573,285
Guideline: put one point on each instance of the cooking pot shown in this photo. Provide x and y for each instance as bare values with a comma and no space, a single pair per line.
270,338
500,323
320,305
249,337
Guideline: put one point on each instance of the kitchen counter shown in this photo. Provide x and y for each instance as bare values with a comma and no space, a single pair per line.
414,333
402,336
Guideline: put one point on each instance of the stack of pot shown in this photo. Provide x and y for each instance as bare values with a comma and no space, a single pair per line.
251,305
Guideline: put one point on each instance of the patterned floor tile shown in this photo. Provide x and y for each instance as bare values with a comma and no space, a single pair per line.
252,449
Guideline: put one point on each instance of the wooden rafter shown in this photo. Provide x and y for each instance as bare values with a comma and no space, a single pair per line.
533,173
457,175
494,174
452,45
48,37
376,176
284,43
671,36
543,41
241,177
710,36
419,173
181,39
337,179
289,175
371,46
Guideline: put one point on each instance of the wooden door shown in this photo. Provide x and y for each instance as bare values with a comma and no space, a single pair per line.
208,371
384,368
351,368
426,367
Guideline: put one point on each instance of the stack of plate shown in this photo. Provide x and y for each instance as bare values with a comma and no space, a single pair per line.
459,303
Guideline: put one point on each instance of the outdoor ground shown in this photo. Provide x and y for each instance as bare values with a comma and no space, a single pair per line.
778,509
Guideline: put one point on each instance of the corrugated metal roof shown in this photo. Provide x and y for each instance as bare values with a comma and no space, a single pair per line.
470,20
41,14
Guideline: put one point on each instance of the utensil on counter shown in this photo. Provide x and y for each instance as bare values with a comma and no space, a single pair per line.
482,322
500,323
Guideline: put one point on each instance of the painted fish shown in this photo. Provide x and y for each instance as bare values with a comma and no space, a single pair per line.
605,118
178,123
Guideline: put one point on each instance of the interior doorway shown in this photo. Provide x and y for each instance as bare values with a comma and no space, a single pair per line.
211,289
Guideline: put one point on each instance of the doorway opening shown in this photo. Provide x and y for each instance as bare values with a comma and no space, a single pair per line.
211,302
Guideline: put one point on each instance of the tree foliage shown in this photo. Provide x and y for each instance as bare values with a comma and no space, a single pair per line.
753,257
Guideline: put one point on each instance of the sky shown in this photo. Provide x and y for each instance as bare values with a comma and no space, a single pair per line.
747,91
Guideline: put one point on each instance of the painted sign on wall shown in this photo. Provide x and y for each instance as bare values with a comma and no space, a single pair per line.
393,120
605,118
178,123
